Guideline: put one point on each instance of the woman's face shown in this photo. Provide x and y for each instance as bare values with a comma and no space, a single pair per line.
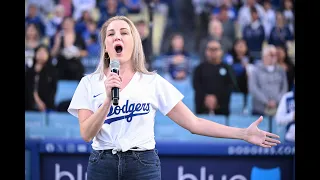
280,54
280,20
177,42
119,41
42,55
31,31
68,24
240,47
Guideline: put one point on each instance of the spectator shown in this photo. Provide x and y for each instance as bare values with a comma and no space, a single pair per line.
110,9
91,37
202,13
81,23
254,34
212,82
286,115
133,6
69,48
82,5
288,14
142,28
178,58
285,62
216,32
280,34
227,5
267,83
34,18
54,23
32,40
269,20
45,7
244,15
239,59
227,23
40,82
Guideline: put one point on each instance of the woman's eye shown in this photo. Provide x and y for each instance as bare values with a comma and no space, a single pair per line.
111,34
124,33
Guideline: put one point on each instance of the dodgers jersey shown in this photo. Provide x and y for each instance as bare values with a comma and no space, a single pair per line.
131,123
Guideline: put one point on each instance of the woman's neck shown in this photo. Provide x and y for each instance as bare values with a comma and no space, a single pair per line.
38,67
68,31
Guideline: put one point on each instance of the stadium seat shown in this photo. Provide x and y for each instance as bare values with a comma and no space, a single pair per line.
171,132
236,103
189,102
242,121
162,119
74,132
46,132
34,118
65,90
62,119
258,173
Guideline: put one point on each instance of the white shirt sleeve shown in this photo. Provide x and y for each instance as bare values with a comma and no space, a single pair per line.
167,95
80,99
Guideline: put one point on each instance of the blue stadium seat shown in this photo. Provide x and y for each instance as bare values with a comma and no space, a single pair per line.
62,119
46,132
74,132
171,132
236,103
162,119
258,173
65,90
189,102
34,118
243,121
249,103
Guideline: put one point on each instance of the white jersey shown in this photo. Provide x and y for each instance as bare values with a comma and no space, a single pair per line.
131,123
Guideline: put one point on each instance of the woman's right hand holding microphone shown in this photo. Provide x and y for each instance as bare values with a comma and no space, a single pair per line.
113,80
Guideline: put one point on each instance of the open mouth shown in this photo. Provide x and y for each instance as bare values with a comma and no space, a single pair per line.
118,48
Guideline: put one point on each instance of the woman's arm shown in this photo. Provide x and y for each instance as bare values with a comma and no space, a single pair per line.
91,123
185,118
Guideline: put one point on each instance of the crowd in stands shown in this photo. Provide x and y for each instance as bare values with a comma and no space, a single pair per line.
218,46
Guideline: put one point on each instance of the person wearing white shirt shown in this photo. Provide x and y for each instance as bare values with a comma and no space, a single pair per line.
285,115
82,5
244,15
269,20
122,136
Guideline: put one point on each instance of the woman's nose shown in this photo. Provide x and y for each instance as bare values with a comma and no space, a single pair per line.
117,36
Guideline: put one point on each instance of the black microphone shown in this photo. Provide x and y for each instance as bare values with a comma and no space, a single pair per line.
115,66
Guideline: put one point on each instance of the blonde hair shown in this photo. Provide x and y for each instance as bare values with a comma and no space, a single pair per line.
137,56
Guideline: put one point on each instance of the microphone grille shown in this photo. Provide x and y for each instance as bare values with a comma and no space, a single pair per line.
115,64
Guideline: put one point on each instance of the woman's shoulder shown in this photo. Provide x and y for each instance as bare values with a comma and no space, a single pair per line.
90,78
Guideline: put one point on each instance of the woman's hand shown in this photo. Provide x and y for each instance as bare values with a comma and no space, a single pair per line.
259,137
113,80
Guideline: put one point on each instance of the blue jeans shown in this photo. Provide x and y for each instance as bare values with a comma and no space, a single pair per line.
130,165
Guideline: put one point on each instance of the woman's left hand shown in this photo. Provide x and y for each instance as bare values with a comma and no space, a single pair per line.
259,137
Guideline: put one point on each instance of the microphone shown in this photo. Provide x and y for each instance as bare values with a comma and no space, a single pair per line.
115,66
